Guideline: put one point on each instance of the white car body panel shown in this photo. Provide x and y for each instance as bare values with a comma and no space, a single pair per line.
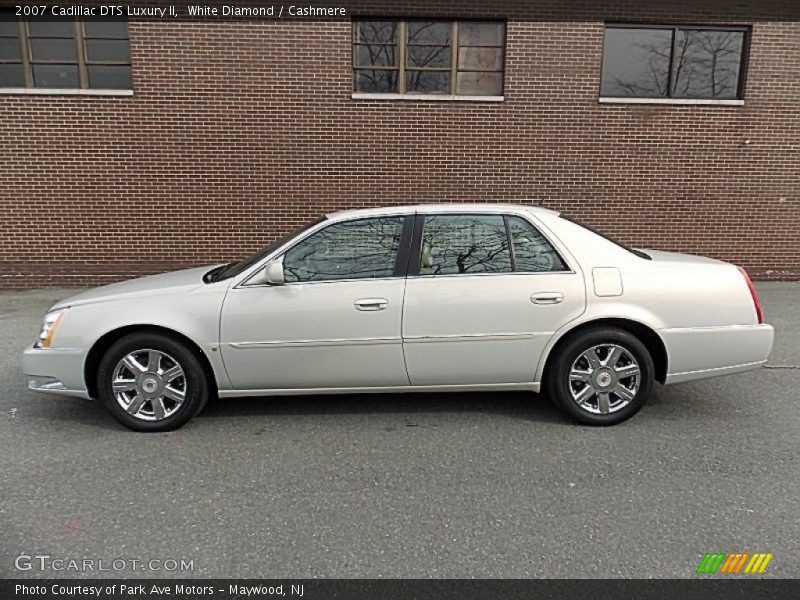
309,335
444,332
483,328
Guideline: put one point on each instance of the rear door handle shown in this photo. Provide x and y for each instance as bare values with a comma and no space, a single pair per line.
371,304
547,298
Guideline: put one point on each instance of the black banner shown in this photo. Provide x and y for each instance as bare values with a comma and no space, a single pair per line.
397,589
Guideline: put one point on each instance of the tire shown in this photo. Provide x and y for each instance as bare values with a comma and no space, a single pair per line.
161,384
599,393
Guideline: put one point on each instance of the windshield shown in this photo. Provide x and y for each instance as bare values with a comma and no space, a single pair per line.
234,268
638,253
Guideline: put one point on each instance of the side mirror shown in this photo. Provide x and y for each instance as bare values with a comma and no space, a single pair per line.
273,273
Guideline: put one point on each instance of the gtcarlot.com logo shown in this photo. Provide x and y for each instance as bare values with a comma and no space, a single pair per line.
47,562
734,563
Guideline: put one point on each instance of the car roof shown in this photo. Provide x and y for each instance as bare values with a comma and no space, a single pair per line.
461,207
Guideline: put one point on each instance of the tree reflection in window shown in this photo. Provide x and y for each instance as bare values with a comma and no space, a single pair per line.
454,244
706,63
362,249
532,252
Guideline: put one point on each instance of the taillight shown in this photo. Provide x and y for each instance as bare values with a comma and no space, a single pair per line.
754,295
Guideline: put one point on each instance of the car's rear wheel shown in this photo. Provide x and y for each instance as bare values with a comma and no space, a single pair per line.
151,382
601,376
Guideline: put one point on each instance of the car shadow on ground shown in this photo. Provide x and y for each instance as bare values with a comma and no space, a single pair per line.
518,405
525,406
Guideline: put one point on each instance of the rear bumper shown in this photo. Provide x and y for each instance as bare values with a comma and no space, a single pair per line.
701,352
55,371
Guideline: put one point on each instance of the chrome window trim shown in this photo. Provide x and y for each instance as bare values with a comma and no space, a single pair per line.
515,273
348,280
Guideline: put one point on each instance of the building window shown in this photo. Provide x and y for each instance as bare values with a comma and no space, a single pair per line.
673,62
453,58
64,53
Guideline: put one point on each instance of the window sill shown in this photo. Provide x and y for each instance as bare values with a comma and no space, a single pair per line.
62,92
426,97
673,101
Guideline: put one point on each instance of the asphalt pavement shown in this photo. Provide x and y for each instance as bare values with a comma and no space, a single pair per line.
442,485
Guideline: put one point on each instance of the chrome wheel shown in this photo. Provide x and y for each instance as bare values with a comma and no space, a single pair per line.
149,384
604,379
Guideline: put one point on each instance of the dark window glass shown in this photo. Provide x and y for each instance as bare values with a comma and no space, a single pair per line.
10,50
376,32
54,50
56,76
428,56
532,252
428,82
375,81
429,34
106,29
9,26
362,249
116,51
11,75
464,244
51,28
441,57
375,55
64,53
636,62
706,63
109,77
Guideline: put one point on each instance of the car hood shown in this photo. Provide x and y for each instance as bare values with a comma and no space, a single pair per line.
152,285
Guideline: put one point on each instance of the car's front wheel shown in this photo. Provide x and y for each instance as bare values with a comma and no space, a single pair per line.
151,382
601,376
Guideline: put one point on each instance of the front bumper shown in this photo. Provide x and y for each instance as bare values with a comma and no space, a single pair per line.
701,352
55,370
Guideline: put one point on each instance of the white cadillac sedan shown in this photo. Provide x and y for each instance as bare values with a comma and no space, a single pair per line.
410,299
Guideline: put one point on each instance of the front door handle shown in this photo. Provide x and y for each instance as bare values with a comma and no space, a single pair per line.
547,298
371,304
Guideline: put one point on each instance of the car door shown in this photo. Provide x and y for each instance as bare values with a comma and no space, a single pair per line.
485,293
335,323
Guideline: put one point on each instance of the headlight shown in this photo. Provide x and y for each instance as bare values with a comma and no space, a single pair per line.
51,321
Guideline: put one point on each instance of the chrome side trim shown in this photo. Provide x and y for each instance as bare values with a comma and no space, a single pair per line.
706,328
530,386
375,341
59,392
314,343
507,274
497,337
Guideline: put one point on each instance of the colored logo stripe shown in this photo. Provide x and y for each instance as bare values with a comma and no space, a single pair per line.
758,564
722,562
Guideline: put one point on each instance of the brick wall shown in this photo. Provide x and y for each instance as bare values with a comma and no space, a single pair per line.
241,130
